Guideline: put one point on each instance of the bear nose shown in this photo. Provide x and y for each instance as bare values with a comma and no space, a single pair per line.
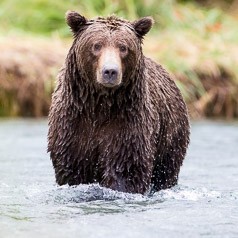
110,74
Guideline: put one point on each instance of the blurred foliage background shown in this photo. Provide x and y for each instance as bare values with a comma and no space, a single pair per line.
197,41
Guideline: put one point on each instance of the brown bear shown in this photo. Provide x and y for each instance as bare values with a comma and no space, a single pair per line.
117,118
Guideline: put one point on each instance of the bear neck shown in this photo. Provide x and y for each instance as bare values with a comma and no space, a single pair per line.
98,103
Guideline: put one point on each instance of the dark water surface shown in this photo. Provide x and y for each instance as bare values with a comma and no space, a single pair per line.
204,204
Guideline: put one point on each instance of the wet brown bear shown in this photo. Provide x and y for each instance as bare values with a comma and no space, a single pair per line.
116,117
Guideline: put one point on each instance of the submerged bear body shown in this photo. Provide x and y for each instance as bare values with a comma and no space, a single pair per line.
116,117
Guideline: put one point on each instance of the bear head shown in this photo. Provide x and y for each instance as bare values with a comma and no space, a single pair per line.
107,50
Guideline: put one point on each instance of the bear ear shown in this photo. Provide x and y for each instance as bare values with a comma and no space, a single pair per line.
143,25
75,20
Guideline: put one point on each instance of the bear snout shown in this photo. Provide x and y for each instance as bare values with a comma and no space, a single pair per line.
110,74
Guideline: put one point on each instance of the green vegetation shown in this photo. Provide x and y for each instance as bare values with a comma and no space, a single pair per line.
47,16
196,44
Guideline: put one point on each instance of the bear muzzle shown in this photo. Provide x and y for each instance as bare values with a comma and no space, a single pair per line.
109,72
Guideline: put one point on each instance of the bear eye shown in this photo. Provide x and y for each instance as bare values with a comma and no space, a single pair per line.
97,47
123,48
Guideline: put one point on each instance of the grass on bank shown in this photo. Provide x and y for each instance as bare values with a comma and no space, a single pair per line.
28,67
197,45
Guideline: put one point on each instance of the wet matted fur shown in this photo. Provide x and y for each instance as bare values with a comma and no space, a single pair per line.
131,135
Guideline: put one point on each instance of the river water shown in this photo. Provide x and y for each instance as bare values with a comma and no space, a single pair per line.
204,204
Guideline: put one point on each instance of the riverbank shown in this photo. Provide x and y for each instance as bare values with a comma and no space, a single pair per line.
28,69
197,45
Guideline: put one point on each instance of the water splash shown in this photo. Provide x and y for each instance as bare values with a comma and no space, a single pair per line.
95,193
186,193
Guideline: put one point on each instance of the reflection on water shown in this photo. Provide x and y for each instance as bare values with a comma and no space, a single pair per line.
205,203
